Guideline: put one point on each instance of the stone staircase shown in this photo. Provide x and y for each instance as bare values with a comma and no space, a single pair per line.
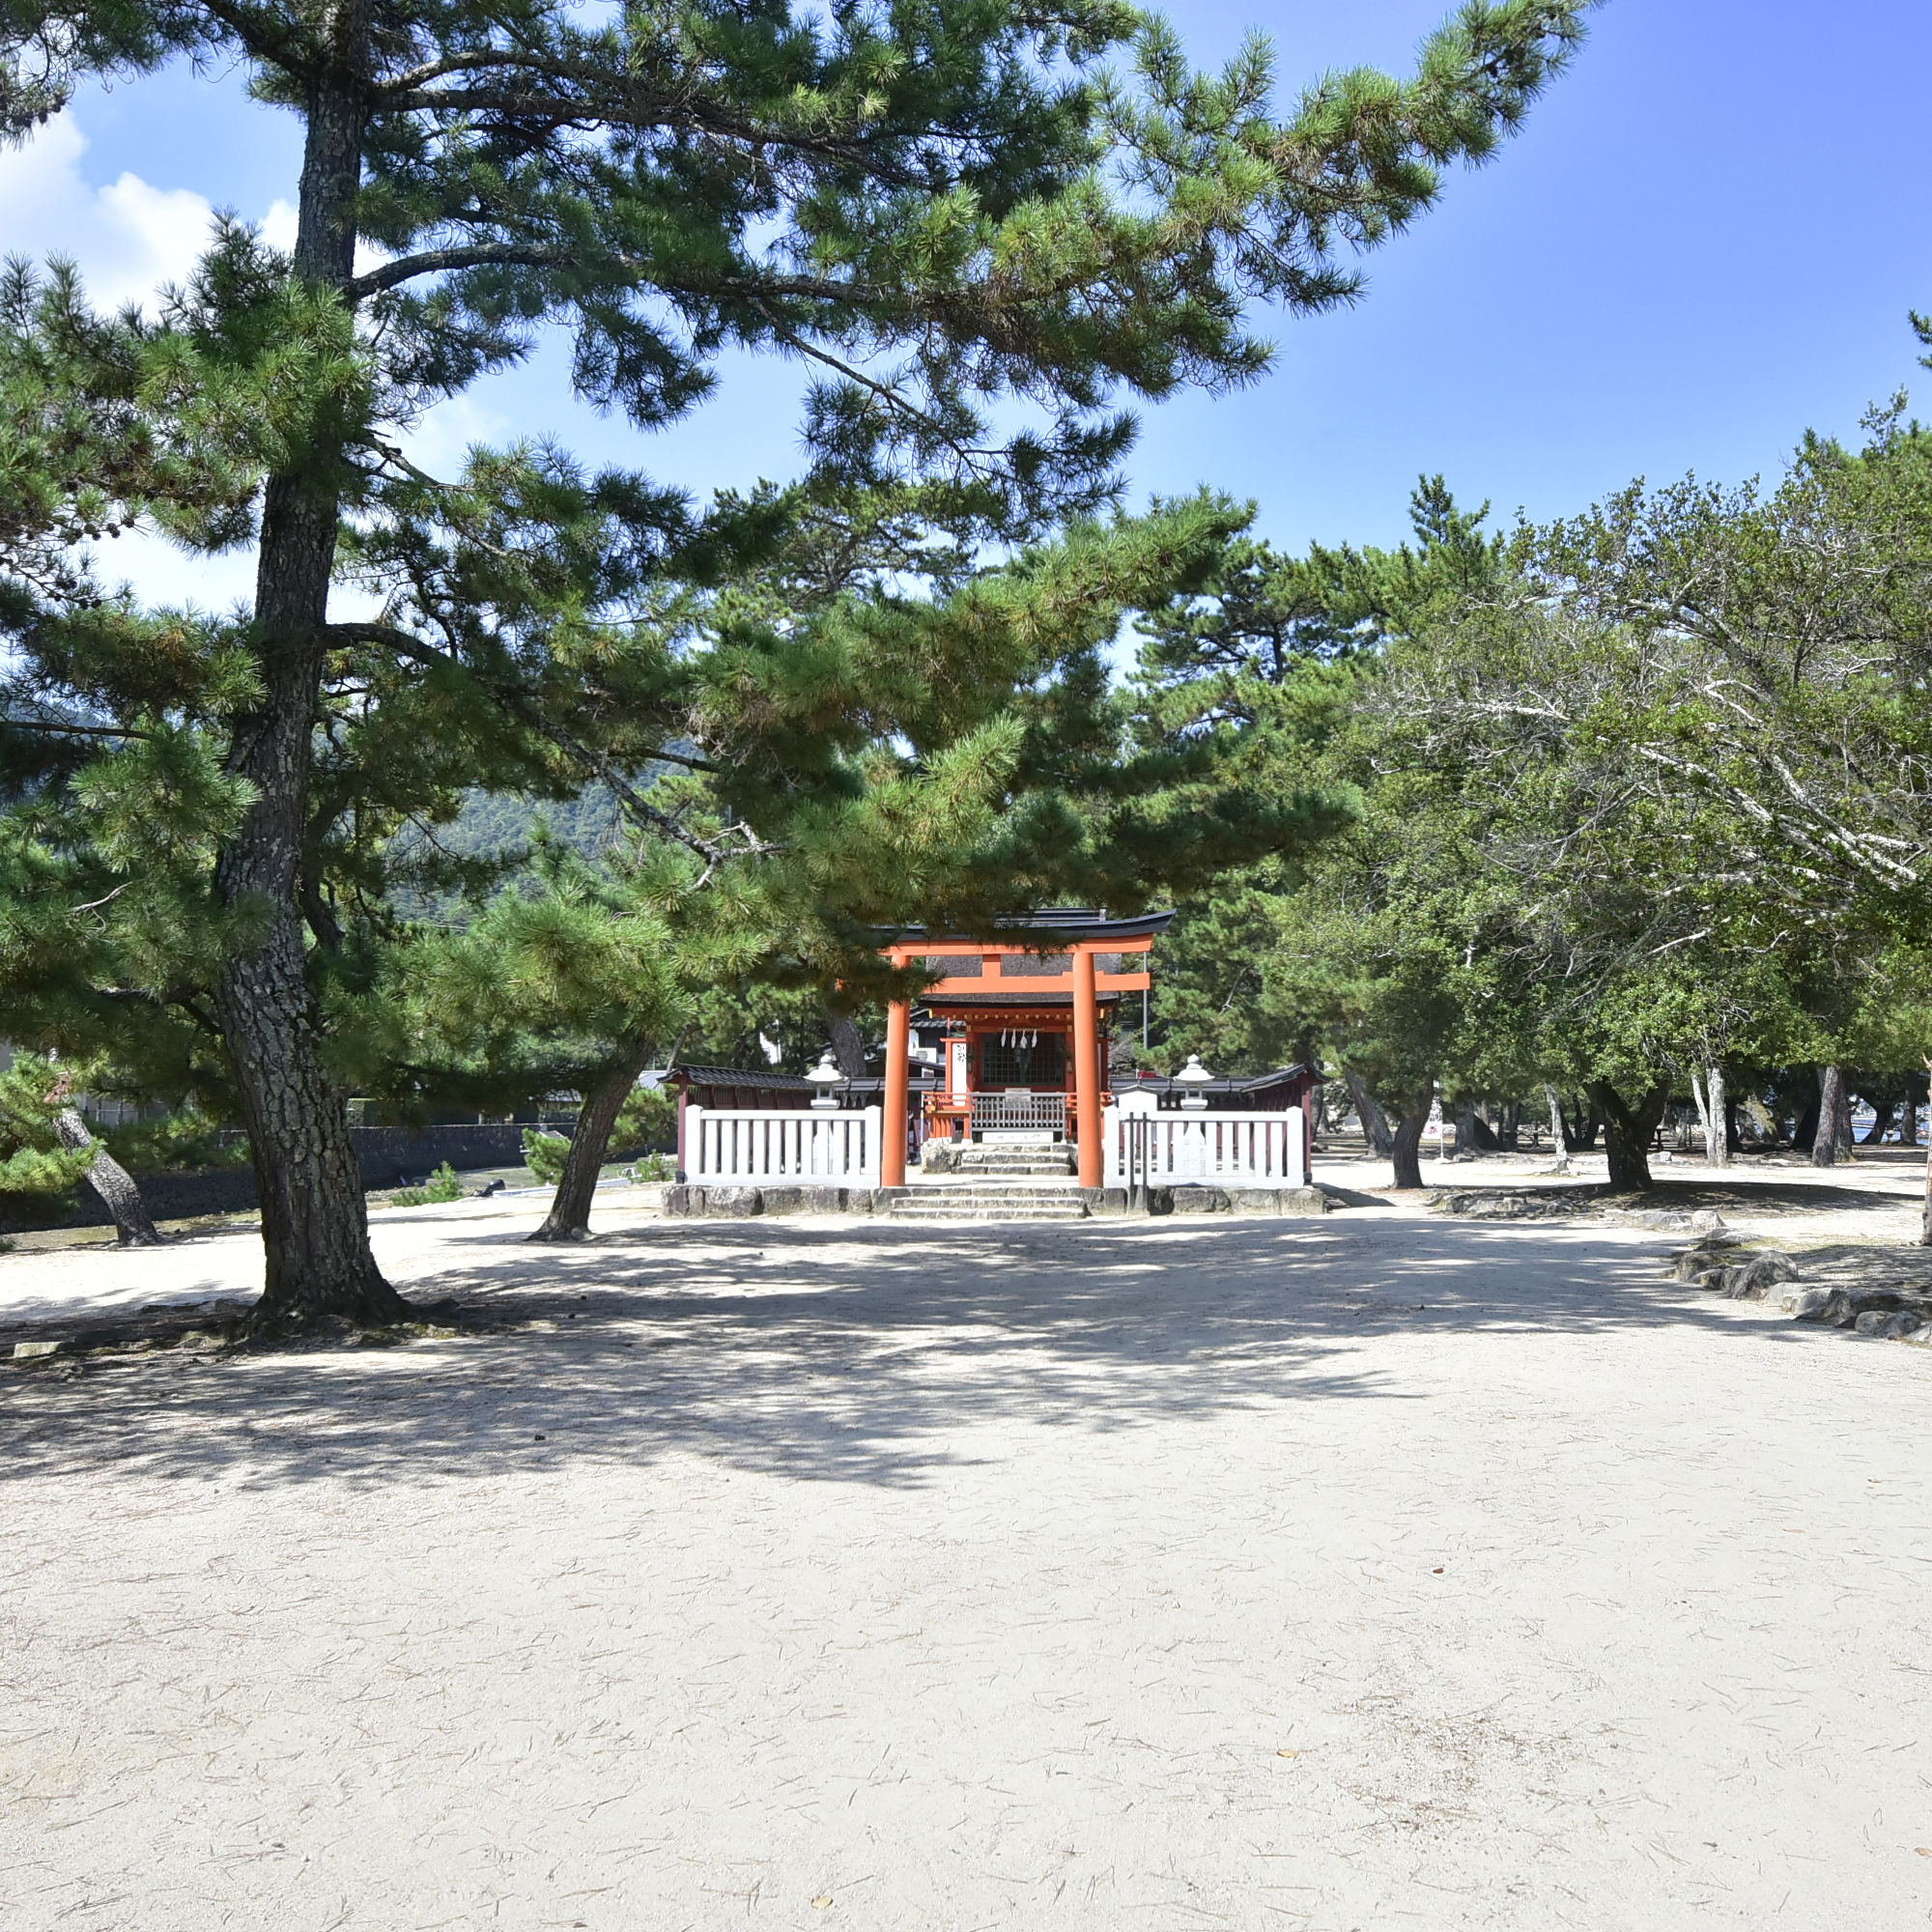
996,1183
1010,1161
988,1201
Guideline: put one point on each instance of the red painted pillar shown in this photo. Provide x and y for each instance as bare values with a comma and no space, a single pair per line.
1086,1066
892,1147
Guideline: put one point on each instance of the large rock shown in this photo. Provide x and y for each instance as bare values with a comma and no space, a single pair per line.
1889,1328
1194,1200
732,1200
1754,1279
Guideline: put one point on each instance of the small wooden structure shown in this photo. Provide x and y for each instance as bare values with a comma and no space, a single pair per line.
1024,1024
1014,1046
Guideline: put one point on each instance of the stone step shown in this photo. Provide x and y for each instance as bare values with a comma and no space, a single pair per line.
1002,1199
1019,1171
1003,1185
926,1212
998,1163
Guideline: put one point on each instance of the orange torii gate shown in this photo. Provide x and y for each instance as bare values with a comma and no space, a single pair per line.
1022,1021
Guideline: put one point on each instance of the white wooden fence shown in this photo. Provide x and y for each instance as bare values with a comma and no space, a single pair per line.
1155,1150
748,1146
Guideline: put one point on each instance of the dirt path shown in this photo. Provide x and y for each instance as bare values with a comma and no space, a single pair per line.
1351,1573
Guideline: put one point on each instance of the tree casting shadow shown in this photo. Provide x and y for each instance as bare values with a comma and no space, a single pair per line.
829,1351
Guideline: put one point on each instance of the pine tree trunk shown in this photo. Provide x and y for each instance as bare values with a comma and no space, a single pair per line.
1405,1146
849,1045
1627,1133
314,1228
111,1181
1717,1118
1374,1123
569,1216
1832,1138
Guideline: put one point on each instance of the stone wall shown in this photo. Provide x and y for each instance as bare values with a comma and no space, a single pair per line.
735,1202
389,1156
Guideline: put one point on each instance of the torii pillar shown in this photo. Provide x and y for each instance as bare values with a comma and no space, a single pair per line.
1087,1066
892,1127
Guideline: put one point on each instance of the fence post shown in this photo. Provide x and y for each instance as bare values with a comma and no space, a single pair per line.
694,1146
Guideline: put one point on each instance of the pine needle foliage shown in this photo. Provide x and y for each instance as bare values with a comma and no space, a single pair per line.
983,228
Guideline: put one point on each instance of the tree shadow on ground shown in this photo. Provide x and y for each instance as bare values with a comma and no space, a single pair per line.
824,1351
1672,1196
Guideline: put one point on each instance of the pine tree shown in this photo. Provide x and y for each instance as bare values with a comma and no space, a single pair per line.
46,1147
940,208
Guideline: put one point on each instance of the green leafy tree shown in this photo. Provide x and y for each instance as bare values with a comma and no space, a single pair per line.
1353,948
32,1158
939,209
46,1147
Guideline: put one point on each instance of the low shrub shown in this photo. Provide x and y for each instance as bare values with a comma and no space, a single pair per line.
544,1154
442,1185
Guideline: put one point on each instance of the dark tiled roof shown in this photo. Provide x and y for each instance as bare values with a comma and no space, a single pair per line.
1056,922
1251,1083
1045,995
741,1076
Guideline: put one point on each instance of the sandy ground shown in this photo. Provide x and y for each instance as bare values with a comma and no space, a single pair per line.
1342,1572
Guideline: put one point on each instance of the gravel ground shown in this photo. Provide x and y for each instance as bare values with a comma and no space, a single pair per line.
1365,1571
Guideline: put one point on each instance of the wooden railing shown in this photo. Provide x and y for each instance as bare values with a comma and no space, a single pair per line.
749,1146
1034,1113
1151,1150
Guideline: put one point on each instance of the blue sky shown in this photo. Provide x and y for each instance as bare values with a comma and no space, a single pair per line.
1705,242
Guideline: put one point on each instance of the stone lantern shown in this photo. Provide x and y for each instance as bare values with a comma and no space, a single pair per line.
1193,1077
824,1077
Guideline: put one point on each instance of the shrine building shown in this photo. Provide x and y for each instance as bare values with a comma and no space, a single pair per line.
1023,1029
1009,1041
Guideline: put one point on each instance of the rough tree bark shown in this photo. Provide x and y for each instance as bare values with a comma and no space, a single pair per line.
1627,1132
1374,1123
569,1216
314,1227
1405,1148
111,1181
849,1045
1832,1140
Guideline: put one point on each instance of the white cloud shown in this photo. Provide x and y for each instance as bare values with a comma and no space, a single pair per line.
164,577
128,236
443,437
278,226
